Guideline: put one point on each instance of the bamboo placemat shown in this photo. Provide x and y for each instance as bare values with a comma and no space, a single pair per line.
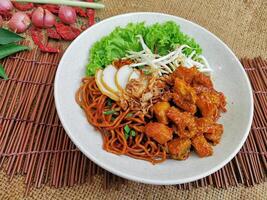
34,143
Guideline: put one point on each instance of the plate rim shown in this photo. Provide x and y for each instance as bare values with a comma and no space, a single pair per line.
145,180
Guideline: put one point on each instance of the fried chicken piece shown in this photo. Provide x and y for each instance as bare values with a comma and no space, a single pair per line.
184,96
211,130
220,100
186,74
201,79
206,106
211,103
201,145
215,135
189,107
179,148
167,96
160,110
200,88
192,76
159,132
184,121
185,91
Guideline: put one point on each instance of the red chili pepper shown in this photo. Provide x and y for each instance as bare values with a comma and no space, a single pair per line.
52,8
37,38
81,12
67,33
91,15
6,15
52,33
23,6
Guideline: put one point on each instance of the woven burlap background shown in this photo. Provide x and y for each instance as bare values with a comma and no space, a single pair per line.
241,24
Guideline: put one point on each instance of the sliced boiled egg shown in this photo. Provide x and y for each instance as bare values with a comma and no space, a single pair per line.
122,76
108,79
102,88
134,75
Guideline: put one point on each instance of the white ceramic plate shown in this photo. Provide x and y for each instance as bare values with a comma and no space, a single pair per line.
229,77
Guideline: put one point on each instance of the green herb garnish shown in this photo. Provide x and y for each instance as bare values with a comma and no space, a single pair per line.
132,133
109,102
129,115
128,132
109,112
127,129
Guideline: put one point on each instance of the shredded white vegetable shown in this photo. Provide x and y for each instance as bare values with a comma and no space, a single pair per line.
168,63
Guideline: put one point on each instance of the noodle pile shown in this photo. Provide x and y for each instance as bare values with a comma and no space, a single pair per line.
111,126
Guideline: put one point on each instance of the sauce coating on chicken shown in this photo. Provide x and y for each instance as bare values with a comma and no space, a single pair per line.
186,117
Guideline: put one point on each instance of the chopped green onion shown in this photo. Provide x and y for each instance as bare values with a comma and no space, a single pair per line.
109,102
128,132
109,112
129,115
127,129
133,134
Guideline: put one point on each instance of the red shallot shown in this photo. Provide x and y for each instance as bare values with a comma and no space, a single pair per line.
43,18
19,22
5,5
67,14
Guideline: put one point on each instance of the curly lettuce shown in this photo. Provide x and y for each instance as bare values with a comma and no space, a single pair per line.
160,38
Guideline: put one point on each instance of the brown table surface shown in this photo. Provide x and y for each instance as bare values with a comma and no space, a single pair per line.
242,25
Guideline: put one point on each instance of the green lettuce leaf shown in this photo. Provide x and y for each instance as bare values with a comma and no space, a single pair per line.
160,38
